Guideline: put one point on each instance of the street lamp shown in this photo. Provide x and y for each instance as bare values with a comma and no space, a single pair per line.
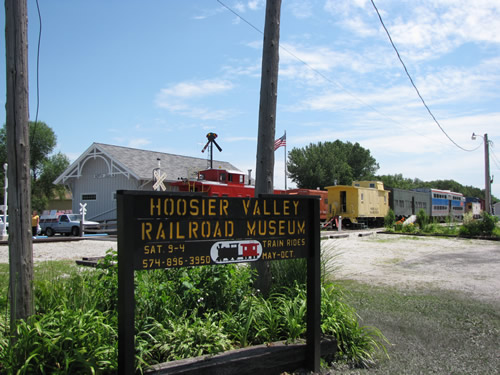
487,180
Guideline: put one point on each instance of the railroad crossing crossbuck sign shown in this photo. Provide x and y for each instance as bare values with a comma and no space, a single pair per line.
159,178
83,209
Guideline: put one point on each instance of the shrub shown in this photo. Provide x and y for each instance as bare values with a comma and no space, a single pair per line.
181,337
422,219
482,227
468,218
389,219
409,228
356,343
63,342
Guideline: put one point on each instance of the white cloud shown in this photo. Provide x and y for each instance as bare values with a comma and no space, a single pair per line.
239,7
182,98
255,4
300,9
426,29
239,139
195,89
138,142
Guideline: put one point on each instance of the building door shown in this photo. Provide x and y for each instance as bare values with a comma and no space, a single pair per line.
343,201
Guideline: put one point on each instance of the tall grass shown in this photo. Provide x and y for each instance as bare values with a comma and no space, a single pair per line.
180,313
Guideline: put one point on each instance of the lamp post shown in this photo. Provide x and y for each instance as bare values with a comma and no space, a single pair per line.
487,180
4,229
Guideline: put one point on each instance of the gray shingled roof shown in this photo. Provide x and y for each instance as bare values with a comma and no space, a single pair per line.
142,162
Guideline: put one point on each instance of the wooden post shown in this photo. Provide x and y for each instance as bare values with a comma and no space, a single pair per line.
264,175
126,296
18,151
314,292
487,180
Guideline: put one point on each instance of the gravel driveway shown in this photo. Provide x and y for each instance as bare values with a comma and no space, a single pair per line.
61,250
471,266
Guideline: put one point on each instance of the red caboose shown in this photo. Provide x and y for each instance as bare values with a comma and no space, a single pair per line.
250,250
219,183
322,194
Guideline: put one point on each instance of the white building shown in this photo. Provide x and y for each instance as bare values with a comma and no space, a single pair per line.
103,169
496,209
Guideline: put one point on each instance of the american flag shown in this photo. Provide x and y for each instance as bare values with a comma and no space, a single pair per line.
280,142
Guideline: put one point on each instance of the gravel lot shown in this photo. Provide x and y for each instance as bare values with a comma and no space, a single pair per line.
465,265
470,266
60,250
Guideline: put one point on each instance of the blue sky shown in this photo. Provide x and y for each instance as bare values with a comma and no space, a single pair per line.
160,75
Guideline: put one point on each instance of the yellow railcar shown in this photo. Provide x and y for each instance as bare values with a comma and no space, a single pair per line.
365,202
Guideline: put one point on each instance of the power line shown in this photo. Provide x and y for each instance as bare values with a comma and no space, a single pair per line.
493,156
37,72
413,84
240,17
328,79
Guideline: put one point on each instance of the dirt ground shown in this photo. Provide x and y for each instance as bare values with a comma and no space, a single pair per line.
470,266
465,265
61,250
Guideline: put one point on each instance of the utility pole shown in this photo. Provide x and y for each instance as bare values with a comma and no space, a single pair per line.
264,174
487,179
19,199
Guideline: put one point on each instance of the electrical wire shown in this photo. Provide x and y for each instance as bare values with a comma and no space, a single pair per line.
493,156
413,83
37,73
328,79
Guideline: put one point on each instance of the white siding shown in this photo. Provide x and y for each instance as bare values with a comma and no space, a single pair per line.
96,179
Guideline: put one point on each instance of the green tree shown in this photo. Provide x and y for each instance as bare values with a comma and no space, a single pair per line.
326,163
396,181
43,189
42,143
45,168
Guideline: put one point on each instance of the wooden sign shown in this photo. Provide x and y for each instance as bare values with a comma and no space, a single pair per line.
166,230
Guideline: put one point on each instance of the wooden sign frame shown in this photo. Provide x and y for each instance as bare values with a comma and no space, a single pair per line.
164,230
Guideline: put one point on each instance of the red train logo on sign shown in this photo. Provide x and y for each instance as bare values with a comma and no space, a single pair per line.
235,251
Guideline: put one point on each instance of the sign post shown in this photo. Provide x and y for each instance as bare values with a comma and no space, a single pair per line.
83,211
165,230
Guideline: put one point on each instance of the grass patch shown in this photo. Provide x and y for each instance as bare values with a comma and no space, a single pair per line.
431,331
180,313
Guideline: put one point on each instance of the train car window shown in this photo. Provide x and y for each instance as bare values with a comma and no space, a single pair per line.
372,185
361,197
242,179
222,177
230,177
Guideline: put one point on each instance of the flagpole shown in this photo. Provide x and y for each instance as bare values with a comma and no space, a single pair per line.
285,160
